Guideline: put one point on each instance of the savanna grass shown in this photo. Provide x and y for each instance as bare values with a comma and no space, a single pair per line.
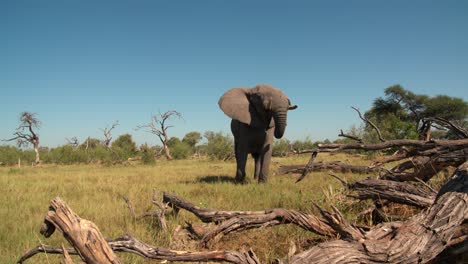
94,192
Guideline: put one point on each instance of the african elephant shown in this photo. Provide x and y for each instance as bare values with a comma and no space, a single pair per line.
257,114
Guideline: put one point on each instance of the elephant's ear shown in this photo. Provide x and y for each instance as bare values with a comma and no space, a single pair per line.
236,105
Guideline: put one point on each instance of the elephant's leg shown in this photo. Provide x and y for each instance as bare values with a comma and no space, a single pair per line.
258,165
241,159
265,159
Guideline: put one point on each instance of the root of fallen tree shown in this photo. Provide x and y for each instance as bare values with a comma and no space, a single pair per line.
440,231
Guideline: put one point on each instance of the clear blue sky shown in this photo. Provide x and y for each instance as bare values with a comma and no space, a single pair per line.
81,65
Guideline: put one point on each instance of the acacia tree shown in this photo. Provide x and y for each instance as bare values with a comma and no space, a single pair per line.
25,133
404,114
158,126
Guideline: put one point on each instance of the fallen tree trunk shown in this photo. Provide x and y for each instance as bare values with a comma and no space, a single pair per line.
398,192
335,166
418,240
427,157
235,221
90,245
132,245
421,145
84,235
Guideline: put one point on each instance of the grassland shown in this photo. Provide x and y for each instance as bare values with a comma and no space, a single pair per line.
94,192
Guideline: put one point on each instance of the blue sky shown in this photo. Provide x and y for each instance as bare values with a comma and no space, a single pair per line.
81,65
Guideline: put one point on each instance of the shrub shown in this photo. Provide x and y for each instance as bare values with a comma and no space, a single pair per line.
9,155
181,150
148,154
124,147
219,146
280,147
299,145
65,155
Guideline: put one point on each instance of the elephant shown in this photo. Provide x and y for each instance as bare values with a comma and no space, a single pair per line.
258,114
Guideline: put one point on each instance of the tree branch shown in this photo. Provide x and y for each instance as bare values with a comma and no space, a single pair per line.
370,123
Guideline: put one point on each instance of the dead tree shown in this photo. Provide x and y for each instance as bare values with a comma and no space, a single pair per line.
73,142
25,133
84,235
89,244
108,134
426,158
421,239
336,166
159,127
439,232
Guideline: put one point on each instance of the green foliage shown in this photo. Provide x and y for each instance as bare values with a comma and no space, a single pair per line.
65,154
450,108
181,150
9,155
299,145
192,138
172,142
219,145
124,147
90,143
281,147
399,114
148,154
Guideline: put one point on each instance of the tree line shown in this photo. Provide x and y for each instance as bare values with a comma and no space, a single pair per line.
399,114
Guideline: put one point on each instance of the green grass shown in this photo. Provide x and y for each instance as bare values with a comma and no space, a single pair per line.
94,193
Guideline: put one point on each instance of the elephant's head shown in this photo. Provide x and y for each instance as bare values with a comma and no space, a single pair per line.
262,106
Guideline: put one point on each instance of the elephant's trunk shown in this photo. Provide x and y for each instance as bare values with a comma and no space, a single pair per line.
280,123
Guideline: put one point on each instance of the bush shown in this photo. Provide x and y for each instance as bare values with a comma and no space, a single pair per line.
280,147
299,145
181,150
192,138
219,146
148,154
9,155
124,147
65,155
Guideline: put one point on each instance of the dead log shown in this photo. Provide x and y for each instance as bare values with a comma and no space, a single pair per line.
335,166
419,240
132,245
89,244
421,145
398,192
429,157
84,235
236,221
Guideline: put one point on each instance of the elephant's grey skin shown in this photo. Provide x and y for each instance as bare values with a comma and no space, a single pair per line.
254,113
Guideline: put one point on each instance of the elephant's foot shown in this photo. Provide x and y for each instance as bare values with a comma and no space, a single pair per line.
238,181
262,180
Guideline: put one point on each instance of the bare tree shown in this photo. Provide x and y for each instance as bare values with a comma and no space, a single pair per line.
159,127
107,134
25,134
73,141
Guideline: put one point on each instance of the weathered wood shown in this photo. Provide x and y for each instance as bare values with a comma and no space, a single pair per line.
82,234
336,166
418,240
398,192
132,245
159,214
235,221
423,145
66,256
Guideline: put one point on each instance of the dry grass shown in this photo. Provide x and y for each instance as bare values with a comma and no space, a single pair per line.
94,192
